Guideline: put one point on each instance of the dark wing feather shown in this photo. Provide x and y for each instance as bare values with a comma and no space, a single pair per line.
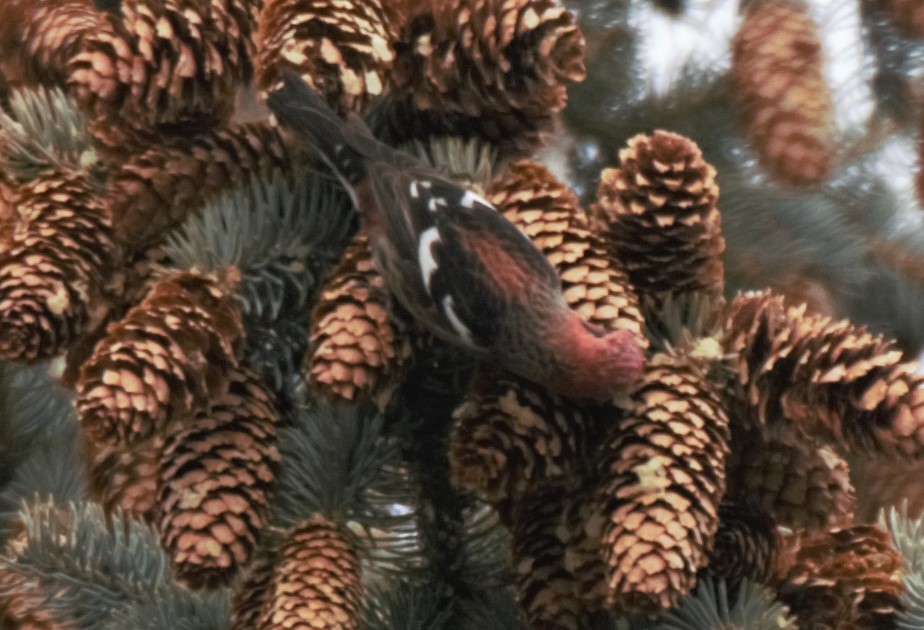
492,272
484,265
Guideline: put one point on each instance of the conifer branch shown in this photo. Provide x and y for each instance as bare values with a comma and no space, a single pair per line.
82,564
44,131
338,462
282,232
38,409
173,606
908,539
50,472
709,607
408,605
472,162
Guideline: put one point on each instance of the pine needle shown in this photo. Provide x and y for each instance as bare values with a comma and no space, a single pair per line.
908,539
52,471
405,605
82,569
489,609
280,234
471,161
337,461
709,608
283,236
486,548
39,409
45,130
177,608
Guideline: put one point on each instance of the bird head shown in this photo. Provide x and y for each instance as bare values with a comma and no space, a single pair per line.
603,364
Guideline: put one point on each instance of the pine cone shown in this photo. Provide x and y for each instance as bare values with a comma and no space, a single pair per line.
549,213
163,64
317,580
906,15
505,64
747,545
343,49
356,352
8,214
823,379
155,190
53,271
39,37
777,71
511,435
800,485
551,593
215,475
659,213
662,477
166,360
841,578
125,477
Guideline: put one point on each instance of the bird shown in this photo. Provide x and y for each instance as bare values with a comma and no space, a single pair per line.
455,264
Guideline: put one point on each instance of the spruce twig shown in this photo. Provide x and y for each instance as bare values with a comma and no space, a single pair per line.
711,608
338,462
82,564
44,131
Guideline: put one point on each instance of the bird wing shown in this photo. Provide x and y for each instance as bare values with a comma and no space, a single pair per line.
462,265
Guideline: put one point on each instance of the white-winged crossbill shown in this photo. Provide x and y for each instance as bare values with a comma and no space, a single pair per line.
456,265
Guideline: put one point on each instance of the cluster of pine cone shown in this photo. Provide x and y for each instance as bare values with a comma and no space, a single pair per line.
728,461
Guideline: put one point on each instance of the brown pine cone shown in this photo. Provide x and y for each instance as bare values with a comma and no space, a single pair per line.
799,485
317,581
165,360
343,49
822,379
548,212
125,476
747,545
500,68
156,189
52,274
39,37
552,593
659,213
786,106
841,578
8,214
163,64
662,477
215,476
355,351
906,15
511,435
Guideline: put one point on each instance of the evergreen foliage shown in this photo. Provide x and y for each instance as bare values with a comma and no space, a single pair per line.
364,523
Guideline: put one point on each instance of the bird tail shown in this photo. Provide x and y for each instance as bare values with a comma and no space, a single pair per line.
340,143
